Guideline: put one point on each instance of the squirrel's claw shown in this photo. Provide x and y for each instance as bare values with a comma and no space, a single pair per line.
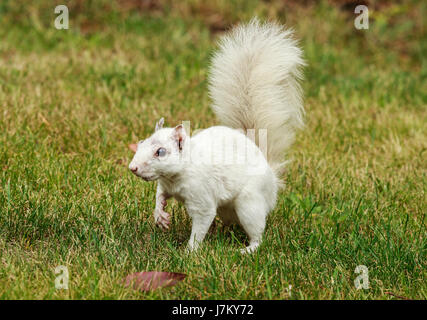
163,224
162,219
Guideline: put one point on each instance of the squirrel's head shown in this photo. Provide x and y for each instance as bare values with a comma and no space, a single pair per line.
160,154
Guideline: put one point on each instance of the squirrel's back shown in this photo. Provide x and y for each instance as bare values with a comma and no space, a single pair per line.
254,84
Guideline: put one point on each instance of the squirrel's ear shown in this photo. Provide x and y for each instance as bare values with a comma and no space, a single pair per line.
160,123
133,147
179,135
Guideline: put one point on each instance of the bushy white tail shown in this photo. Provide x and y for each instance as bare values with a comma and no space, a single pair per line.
254,84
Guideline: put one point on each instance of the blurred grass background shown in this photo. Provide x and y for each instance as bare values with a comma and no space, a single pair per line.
72,100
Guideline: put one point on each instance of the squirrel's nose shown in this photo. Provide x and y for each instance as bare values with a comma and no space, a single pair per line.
134,169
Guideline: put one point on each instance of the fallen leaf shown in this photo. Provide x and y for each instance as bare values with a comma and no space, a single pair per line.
395,295
151,280
133,147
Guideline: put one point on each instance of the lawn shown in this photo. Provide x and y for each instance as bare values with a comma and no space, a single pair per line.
72,100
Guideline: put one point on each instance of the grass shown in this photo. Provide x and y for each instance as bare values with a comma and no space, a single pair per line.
72,100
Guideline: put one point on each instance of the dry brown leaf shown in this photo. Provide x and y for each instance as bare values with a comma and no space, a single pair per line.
151,280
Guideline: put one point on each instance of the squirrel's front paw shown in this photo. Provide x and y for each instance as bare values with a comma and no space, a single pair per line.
162,219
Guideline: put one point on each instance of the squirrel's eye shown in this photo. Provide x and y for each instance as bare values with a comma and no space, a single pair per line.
140,141
160,152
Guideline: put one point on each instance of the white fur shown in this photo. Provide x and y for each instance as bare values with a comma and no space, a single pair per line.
253,84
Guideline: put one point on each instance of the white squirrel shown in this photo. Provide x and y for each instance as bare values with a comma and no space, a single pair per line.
254,85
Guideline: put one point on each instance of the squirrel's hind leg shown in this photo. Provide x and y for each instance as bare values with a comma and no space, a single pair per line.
252,215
